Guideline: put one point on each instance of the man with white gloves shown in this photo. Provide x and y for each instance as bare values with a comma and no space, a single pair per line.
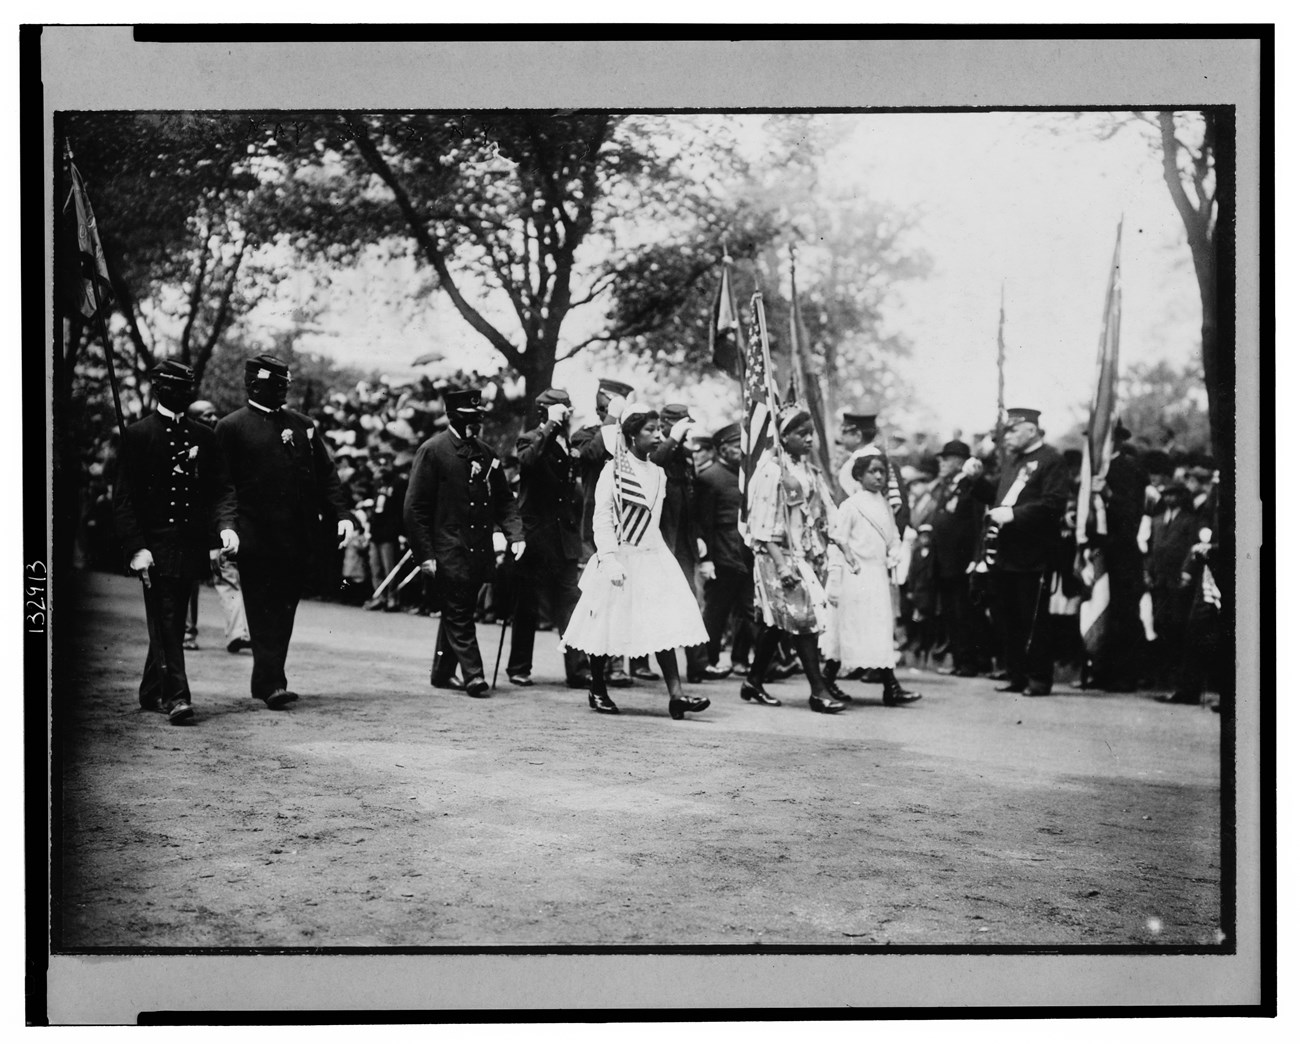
173,502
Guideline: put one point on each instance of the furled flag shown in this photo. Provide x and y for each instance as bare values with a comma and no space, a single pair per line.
756,431
94,290
1097,448
724,326
808,380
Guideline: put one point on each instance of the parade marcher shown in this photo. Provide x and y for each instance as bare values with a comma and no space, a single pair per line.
634,600
857,434
678,519
956,521
1207,655
860,631
790,519
1029,500
729,593
386,528
1175,530
594,445
1118,662
292,516
224,575
550,507
457,495
173,503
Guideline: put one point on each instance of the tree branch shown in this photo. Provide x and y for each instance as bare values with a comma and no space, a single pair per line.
195,297
432,252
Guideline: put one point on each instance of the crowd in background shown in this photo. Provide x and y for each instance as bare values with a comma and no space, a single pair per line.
374,429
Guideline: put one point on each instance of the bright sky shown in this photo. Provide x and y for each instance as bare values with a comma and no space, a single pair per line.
1003,201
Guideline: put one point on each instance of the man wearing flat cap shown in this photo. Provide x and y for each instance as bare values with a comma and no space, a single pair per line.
1028,502
956,527
457,497
292,516
729,593
173,503
550,507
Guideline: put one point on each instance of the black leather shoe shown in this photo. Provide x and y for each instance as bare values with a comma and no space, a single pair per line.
180,712
601,704
750,691
716,673
644,674
238,645
825,705
677,709
1012,687
446,683
280,699
522,680
478,688
898,696
618,679
835,691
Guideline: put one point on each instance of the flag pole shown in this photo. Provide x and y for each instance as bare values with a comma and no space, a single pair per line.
760,317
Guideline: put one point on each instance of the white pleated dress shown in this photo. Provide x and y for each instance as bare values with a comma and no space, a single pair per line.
654,609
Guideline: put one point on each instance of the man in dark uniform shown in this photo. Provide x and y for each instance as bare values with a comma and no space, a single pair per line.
173,503
1029,500
1175,530
550,507
457,495
729,592
677,523
292,516
1117,664
593,446
956,526
386,528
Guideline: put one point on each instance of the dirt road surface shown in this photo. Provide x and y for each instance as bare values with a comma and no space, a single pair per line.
380,812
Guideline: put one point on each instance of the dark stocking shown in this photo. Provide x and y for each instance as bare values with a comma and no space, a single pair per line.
806,646
598,675
667,659
764,650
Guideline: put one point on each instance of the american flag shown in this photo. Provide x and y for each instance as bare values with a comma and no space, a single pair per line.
1097,446
94,290
756,431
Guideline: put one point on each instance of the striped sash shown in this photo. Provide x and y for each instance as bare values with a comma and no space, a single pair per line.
632,501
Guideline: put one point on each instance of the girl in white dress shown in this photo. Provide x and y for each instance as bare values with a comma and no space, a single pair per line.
635,600
861,628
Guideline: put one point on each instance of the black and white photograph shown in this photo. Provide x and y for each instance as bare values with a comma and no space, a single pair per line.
650,524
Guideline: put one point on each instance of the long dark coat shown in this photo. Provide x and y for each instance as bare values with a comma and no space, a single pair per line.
173,495
457,496
717,511
290,501
550,500
1028,543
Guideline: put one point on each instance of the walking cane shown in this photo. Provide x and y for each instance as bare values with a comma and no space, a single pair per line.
389,578
501,644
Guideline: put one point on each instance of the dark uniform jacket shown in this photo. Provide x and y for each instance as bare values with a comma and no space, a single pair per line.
1170,544
290,501
956,520
677,522
589,444
1028,543
717,511
390,503
457,496
550,499
173,495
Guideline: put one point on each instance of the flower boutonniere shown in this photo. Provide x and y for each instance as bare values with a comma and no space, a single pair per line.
194,452
286,436
474,468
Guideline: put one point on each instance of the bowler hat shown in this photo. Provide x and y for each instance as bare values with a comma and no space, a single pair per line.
467,400
955,448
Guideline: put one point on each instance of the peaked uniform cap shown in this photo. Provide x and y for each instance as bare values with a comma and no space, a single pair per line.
674,412
261,367
170,370
1020,415
727,433
861,421
554,397
612,387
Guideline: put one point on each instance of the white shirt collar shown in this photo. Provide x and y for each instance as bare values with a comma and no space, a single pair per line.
168,413
259,406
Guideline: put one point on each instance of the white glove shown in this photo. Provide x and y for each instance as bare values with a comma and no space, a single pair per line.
229,542
615,408
141,560
429,566
517,549
701,549
556,412
345,532
972,467
613,569
1002,515
708,571
678,431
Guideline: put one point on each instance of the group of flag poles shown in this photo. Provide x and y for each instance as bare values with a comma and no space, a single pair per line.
752,367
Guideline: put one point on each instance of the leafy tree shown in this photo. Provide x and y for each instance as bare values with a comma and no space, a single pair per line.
1165,406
